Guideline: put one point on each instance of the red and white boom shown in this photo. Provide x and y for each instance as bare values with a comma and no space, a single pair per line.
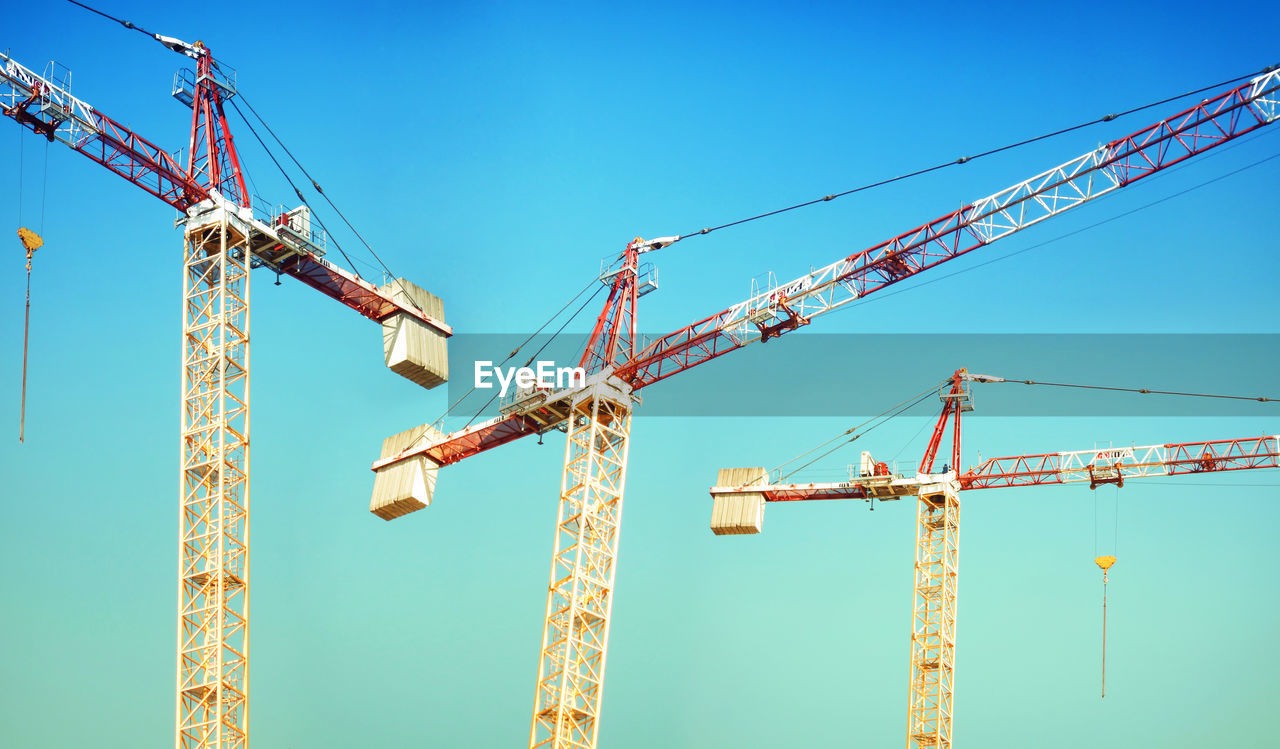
212,174
1114,465
1097,466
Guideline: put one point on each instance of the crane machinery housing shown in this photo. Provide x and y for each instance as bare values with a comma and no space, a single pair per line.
740,495
225,237
596,416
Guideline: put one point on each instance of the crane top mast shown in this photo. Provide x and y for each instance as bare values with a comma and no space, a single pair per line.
212,162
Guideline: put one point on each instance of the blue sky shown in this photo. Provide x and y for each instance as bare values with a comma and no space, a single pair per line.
493,153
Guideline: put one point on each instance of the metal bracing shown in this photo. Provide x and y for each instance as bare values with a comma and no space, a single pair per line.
48,109
1212,122
575,634
213,552
1113,465
933,620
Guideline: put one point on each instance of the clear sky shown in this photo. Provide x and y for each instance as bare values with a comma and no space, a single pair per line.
493,153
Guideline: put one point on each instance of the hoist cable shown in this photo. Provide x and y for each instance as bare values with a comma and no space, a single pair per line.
21,164
1060,237
516,350
850,430
923,425
565,324
967,159
296,191
126,24
879,419
1104,633
1142,391
316,186
26,329
44,186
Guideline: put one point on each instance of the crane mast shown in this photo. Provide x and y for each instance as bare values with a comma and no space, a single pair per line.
213,558
575,632
931,684
596,415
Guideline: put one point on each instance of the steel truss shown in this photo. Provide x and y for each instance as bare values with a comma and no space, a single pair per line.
1210,123
575,634
1113,465
933,620
48,109
213,553
1122,162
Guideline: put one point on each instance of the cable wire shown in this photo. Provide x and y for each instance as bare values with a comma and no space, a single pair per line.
1039,245
1143,391
316,186
516,350
298,192
570,319
21,163
126,24
44,186
880,419
967,159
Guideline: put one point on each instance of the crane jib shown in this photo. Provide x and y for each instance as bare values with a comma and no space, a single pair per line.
1211,122
42,106
1120,163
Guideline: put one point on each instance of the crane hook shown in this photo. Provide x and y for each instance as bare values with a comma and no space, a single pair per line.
30,242
1104,563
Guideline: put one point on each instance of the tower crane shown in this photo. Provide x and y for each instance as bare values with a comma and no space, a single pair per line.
740,495
224,238
596,414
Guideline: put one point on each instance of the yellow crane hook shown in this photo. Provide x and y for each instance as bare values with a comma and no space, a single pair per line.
1104,563
30,242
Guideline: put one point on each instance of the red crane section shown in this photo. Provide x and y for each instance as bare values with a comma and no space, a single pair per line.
1195,130
212,159
1113,465
213,172
1121,162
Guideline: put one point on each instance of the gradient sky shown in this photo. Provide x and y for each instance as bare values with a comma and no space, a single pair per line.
493,153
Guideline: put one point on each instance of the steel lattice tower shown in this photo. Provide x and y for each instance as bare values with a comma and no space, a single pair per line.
213,586
580,594
933,620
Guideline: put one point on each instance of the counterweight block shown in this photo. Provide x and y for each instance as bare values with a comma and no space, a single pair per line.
736,513
408,485
413,349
